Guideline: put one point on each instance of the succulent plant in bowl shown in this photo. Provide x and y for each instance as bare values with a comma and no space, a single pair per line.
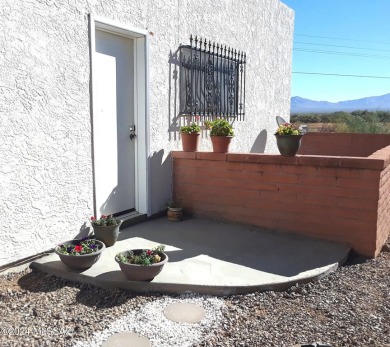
142,264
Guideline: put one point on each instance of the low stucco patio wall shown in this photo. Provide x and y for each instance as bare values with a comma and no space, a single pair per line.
343,199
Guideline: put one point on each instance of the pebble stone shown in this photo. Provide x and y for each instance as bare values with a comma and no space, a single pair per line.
349,307
184,313
126,339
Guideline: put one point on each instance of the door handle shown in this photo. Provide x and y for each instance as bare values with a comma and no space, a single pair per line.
132,132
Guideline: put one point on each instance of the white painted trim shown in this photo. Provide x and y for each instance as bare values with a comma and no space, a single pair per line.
141,114
118,28
92,48
147,126
142,125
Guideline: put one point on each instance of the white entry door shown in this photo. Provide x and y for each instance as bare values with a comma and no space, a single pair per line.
113,98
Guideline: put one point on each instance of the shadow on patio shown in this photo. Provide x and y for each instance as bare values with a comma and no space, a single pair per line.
211,257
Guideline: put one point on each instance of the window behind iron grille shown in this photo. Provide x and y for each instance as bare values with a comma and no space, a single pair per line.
212,80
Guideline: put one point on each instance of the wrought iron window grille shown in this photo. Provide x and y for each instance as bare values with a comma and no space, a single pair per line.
212,80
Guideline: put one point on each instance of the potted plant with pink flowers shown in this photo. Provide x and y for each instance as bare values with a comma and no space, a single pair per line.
288,139
106,229
80,254
190,135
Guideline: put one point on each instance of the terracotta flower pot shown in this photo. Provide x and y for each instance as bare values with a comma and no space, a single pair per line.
288,145
175,214
190,142
107,234
135,272
221,143
83,261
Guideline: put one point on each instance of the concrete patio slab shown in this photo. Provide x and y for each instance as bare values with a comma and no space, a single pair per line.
211,257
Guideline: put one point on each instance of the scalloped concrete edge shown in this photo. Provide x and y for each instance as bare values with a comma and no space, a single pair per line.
179,288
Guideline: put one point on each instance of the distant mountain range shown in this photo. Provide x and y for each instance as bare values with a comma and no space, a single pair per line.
372,103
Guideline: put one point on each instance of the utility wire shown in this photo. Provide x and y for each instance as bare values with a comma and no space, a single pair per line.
340,46
343,39
386,57
339,75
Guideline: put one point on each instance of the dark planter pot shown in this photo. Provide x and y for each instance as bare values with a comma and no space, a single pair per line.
221,143
190,142
175,214
134,272
78,262
288,145
107,234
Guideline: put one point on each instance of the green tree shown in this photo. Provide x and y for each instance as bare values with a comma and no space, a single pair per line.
361,122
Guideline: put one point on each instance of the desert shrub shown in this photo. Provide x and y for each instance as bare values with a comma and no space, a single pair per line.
361,122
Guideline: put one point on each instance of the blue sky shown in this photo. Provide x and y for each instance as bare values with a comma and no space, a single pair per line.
362,24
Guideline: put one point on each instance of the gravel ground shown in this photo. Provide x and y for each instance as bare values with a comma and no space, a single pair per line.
350,307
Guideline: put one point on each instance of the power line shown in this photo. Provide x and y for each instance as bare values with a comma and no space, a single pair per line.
338,75
341,46
341,53
343,39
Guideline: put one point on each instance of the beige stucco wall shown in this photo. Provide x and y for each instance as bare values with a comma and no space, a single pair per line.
46,169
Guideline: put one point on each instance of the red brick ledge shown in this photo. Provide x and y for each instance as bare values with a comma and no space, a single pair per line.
377,161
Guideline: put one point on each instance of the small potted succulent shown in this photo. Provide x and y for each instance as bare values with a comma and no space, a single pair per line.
142,264
106,229
288,139
80,254
221,134
175,210
190,135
